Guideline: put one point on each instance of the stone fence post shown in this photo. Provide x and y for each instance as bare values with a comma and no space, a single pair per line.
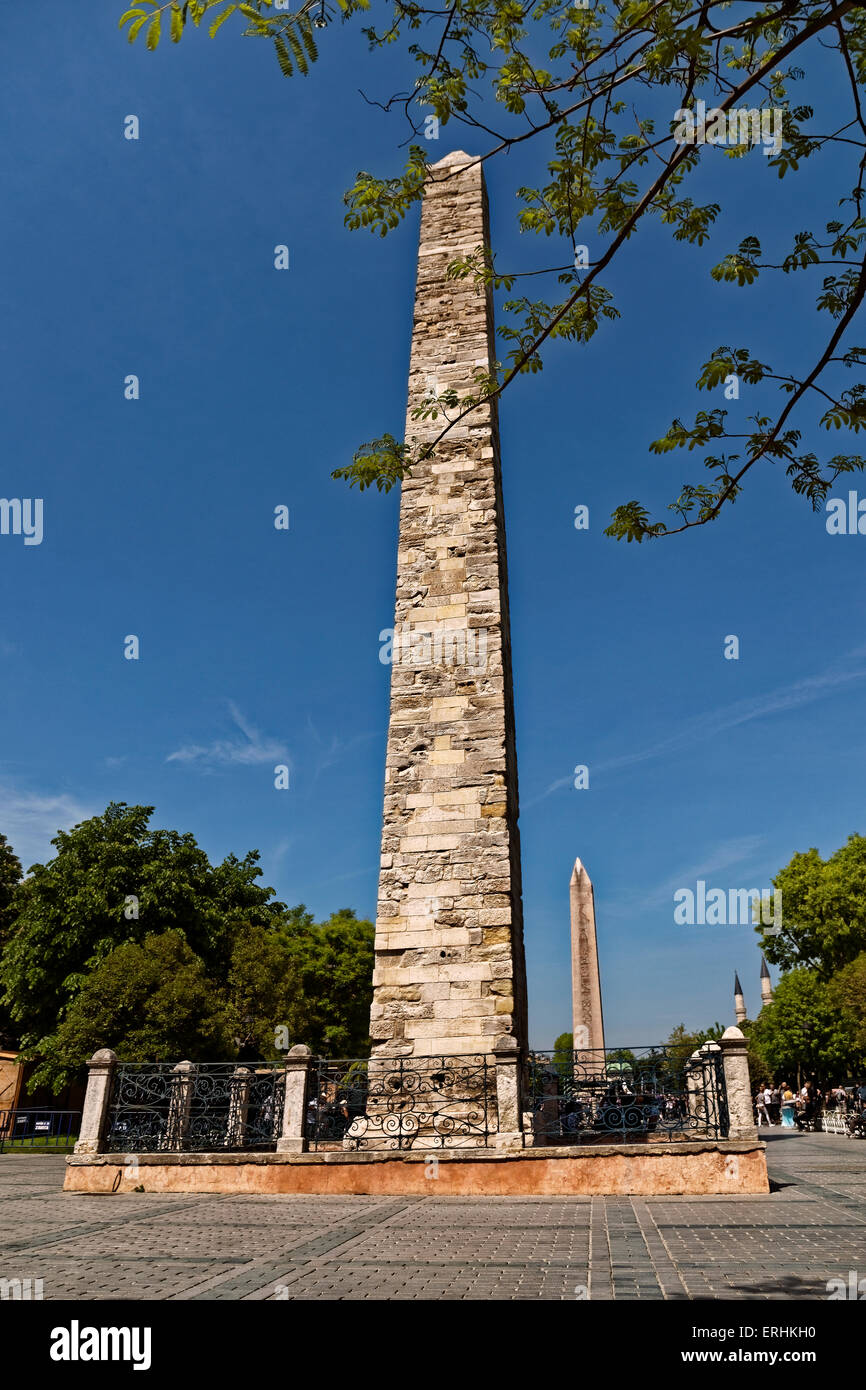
509,1102
180,1104
97,1098
738,1085
293,1139
239,1104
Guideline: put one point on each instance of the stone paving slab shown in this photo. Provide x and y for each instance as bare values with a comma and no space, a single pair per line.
176,1247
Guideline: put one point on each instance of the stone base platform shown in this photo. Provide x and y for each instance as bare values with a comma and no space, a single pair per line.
697,1167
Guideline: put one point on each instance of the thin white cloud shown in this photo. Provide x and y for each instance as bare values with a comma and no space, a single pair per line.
723,856
278,852
702,728
336,751
250,750
30,821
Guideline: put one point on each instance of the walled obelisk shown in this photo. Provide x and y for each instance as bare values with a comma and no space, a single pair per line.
587,1020
449,974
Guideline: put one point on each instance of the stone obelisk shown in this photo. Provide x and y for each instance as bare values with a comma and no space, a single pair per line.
588,1023
449,975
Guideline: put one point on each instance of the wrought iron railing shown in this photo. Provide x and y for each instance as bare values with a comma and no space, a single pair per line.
32,1127
624,1095
195,1109
442,1102
402,1103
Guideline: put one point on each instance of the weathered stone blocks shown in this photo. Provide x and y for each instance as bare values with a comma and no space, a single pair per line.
449,894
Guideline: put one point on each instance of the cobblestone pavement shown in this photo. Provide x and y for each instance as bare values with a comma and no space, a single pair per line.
147,1246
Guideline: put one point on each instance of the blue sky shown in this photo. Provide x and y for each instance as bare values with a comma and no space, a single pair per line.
155,257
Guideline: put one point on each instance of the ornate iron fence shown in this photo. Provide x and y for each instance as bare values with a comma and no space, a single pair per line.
194,1109
382,1104
625,1095
402,1103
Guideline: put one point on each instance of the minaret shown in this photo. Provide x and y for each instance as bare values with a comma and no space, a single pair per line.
450,974
739,1001
766,985
588,1023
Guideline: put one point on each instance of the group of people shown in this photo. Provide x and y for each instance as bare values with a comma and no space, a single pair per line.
781,1105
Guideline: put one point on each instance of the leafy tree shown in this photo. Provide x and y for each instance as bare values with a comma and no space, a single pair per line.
563,1055
149,1002
847,991
804,1030
683,1042
263,991
823,910
609,95
10,877
334,963
72,912
114,883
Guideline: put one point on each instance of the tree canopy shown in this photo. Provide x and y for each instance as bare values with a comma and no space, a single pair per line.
823,924
817,1020
114,880
804,1029
629,105
683,1042
151,1002
130,938
10,877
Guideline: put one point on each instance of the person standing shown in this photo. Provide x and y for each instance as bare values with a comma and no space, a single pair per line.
775,1105
787,1106
761,1107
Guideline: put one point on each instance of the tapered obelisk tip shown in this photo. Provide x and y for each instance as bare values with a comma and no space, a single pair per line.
579,872
455,157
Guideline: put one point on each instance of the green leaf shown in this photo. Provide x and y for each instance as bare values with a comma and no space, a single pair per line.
154,31
221,19
297,52
306,32
283,58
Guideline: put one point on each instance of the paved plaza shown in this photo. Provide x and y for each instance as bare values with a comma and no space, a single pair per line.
145,1246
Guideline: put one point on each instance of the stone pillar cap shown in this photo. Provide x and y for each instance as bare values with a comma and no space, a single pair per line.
104,1054
506,1043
